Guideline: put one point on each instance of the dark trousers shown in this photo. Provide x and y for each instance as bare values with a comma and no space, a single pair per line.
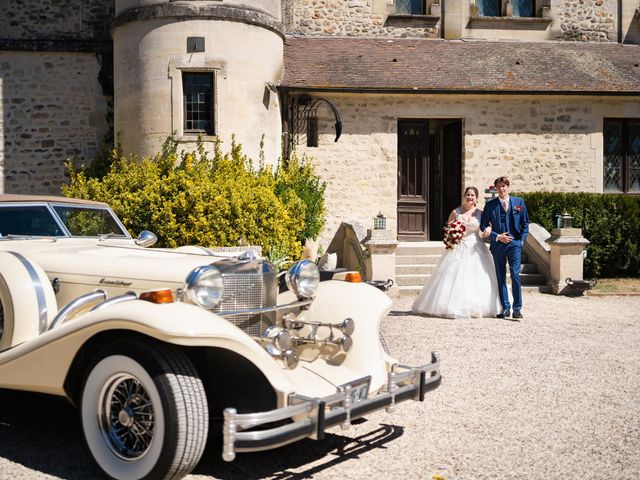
512,253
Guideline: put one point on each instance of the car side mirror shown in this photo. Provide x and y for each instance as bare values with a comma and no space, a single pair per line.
146,238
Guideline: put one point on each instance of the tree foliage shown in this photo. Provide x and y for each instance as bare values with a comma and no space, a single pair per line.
222,199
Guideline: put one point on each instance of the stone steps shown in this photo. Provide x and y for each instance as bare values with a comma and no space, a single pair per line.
420,248
420,269
415,261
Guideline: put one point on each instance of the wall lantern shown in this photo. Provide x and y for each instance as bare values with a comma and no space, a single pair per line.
302,118
564,221
380,222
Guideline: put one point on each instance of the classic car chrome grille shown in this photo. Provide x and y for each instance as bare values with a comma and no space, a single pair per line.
249,290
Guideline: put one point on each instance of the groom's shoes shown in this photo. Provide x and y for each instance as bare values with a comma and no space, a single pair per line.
517,315
504,314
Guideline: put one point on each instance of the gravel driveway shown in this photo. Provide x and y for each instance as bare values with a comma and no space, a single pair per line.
556,396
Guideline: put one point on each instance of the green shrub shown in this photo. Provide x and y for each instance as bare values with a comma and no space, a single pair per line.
609,222
189,198
298,177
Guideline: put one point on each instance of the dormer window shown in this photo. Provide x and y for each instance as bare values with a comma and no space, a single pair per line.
523,8
489,8
512,8
410,7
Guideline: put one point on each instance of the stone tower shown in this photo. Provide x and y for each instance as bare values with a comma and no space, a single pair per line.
197,67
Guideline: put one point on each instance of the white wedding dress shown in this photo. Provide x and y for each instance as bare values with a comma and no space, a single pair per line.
464,282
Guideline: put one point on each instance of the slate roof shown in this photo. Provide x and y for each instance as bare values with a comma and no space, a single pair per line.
457,66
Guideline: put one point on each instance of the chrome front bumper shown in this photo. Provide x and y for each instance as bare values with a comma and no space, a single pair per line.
315,415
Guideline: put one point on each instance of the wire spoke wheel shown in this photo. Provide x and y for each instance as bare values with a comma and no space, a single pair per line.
126,416
144,411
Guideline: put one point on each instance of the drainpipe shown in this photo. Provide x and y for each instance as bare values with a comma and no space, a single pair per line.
286,126
442,10
619,21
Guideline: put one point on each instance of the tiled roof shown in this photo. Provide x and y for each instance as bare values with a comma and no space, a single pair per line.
380,64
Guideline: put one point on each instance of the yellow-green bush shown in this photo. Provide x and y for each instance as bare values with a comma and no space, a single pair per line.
297,177
189,198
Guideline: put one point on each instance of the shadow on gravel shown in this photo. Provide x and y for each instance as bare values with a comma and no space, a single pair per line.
277,464
43,433
401,313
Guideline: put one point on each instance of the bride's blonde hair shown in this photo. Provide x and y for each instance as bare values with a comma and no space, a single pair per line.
475,190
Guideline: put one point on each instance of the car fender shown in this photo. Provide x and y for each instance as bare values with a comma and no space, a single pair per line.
27,298
41,364
336,300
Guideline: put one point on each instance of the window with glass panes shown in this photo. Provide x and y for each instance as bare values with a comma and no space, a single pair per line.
493,8
621,155
410,7
198,102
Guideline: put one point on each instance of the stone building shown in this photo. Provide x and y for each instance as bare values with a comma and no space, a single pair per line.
435,96
55,88
426,96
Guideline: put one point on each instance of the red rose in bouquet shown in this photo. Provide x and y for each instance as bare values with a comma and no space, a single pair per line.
453,233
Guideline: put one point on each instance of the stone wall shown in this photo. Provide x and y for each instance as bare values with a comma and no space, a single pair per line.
630,22
574,20
586,20
57,19
347,18
541,143
55,83
51,109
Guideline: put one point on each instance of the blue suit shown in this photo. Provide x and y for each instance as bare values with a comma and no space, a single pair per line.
516,222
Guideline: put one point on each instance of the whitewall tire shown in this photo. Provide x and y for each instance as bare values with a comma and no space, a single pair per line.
144,411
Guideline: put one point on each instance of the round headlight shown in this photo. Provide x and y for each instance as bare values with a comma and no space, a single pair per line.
303,278
204,286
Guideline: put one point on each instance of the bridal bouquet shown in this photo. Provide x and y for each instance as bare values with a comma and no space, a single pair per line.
453,233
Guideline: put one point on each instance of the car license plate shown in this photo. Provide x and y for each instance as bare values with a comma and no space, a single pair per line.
359,389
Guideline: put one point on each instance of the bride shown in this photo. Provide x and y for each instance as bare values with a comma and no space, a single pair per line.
464,282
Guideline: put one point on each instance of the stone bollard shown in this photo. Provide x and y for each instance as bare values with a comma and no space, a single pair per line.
381,246
566,263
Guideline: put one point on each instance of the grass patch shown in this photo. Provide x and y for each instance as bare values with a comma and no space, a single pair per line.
617,286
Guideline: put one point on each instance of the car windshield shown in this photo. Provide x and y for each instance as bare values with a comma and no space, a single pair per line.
89,222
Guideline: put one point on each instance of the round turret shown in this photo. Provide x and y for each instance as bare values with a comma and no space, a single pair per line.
197,67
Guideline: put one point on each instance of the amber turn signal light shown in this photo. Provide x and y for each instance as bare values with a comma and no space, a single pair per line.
157,296
353,277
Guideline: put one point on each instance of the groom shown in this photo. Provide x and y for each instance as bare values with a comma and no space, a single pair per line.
509,222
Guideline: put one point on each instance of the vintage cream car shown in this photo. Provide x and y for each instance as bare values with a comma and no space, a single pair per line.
159,348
